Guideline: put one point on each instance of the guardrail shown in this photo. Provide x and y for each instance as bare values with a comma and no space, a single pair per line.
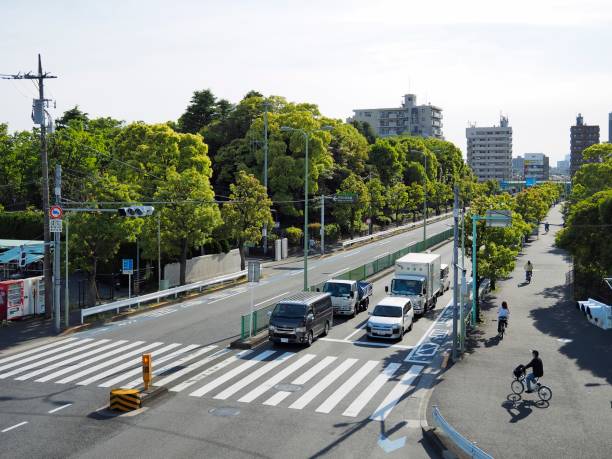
156,296
459,440
259,320
392,231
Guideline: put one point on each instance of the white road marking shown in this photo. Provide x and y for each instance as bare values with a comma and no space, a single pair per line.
356,331
366,343
393,398
338,272
426,335
225,297
345,388
62,363
277,378
36,350
270,299
322,384
353,252
14,427
364,397
55,410
114,370
203,374
230,374
303,379
97,358
295,273
253,376
44,354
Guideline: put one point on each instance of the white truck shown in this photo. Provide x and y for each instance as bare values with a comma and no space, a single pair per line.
348,297
417,276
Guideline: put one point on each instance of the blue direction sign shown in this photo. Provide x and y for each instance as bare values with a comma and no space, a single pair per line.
127,266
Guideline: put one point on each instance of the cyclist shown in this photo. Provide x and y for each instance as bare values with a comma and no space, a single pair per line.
537,369
528,271
546,227
502,316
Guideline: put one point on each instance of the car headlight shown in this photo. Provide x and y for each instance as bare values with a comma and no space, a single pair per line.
300,329
271,328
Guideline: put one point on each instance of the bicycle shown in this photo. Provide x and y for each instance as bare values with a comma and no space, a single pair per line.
503,323
518,385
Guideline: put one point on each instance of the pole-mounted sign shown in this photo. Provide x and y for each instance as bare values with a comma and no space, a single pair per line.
349,198
55,212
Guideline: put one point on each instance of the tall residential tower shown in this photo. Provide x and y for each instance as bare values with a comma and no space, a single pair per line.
489,151
581,137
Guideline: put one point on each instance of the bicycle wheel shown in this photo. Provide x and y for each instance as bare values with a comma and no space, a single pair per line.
544,393
517,387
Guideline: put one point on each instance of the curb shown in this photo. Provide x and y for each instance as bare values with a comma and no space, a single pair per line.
251,342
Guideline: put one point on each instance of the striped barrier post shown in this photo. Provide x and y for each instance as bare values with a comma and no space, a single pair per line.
124,399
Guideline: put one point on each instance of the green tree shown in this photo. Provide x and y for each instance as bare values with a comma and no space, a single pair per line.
397,200
416,194
200,112
247,212
365,129
350,216
386,161
377,197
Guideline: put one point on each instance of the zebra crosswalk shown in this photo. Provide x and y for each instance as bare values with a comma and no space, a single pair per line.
273,377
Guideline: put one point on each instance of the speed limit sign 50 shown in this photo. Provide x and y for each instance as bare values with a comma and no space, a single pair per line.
55,212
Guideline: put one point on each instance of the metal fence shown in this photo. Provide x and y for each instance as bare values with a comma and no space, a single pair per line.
260,319
459,440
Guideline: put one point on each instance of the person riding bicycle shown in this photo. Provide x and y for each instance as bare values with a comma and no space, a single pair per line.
546,227
502,316
528,271
537,369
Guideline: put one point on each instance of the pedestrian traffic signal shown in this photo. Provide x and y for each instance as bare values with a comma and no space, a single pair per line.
136,211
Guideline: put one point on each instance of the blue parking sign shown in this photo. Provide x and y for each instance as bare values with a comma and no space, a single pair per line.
127,266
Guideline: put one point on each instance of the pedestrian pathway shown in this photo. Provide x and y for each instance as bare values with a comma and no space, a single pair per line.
474,395
274,377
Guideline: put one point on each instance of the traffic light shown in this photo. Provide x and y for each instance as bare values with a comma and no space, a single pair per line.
136,211
22,257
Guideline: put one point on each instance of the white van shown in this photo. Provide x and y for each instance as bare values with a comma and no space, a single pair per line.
391,318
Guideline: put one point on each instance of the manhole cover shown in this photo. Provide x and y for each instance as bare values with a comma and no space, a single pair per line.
224,411
288,387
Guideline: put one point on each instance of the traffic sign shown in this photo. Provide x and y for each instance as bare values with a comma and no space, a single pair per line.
55,212
55,226
349,198
127,266
499,218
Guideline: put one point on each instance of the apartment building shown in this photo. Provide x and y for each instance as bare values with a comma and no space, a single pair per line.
537,165
489,151
408,119
581,137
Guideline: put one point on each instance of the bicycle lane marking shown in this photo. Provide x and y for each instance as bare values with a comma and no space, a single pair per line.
435,336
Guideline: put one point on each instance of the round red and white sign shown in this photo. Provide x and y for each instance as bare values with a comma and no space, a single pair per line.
55,212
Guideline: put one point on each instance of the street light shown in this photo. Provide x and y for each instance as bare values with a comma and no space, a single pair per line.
306,176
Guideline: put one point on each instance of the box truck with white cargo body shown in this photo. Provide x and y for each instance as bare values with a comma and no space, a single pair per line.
417,276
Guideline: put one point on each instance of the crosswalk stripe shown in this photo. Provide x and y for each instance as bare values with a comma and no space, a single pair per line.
189,368
37,357
364,397
345,388
91,360
277,378
322,384
393,398
302,379
130,363
53,358
253,376
230,374
36,350
159,370
63,363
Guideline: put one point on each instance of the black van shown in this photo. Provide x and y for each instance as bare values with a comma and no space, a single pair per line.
300,318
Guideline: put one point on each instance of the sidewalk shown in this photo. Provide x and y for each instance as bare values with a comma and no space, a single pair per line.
473,395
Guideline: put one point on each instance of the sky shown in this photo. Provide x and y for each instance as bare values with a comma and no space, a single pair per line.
538,62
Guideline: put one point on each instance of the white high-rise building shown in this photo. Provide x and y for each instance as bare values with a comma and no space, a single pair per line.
489,151
409,119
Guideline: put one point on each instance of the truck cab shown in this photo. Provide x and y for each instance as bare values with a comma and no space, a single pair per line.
348,297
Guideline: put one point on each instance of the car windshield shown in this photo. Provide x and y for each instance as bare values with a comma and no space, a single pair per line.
337,289
289,310
387,311
406,287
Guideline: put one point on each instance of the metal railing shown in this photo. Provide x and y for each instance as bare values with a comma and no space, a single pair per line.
156,296
392,231
459,440
260,319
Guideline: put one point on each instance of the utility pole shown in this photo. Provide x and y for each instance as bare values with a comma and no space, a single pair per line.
158,252
455,270
265,174
425,201
57,276
39,118
322,224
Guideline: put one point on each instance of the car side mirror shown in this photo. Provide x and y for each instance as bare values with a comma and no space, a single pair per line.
352,294
424,291
386,289
369,313
269,313
310,316
318,289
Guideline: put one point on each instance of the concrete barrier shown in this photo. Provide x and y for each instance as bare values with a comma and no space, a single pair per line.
204,267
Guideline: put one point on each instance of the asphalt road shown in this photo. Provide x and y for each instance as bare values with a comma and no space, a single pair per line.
347,396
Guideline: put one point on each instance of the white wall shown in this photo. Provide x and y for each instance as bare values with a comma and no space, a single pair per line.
204,267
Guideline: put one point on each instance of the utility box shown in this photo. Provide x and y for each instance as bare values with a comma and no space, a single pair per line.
278,251
285,247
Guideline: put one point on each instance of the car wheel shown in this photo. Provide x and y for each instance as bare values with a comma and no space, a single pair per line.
309,339
325,329
402,333
410,327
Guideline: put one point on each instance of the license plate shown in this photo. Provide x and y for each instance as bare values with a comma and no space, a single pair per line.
284,340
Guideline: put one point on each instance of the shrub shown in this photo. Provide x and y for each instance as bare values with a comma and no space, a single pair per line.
332,232
294,235
314,230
